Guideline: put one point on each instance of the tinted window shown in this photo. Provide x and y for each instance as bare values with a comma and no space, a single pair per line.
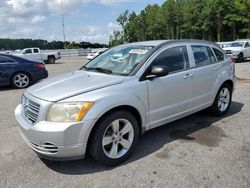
5,60
247,45
36,50
28,51
203,55
219,54
174,59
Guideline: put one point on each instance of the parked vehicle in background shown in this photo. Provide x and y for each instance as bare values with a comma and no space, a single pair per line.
239,50
224,44
6,52
19,72
93,55
107,104
37,55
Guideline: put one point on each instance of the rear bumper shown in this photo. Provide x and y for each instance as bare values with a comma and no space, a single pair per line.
39,75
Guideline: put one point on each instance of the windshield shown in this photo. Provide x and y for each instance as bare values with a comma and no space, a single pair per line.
237,44
120,60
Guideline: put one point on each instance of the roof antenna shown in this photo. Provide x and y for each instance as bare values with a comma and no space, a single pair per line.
63,26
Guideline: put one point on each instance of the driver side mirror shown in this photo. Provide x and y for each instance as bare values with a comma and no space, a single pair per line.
157,71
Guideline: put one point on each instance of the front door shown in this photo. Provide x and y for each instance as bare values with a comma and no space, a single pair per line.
171,97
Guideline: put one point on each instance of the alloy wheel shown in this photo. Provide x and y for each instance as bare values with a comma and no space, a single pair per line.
21,80
224,99
118,138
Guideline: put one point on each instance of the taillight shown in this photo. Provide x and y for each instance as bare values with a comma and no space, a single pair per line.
40,66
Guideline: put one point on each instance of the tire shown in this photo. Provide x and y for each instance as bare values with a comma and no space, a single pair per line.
117,147
20,80
51,60
222,101
240,58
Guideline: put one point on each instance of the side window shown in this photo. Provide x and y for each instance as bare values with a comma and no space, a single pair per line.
203,55
219,54
174,59
36,50
28,51
247,45
5,60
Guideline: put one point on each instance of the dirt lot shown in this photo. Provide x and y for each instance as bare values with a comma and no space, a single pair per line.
197,151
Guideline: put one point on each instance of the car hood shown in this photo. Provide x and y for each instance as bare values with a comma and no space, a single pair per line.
234,48
71,84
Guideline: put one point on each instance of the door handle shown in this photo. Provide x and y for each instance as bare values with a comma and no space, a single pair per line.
188,76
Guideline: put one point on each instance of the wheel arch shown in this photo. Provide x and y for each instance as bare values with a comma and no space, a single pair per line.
16,72
229,82
127,108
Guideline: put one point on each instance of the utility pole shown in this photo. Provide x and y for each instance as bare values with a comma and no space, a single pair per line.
63,25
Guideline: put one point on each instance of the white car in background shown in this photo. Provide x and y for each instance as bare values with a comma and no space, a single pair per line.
93,55
238,50
35,54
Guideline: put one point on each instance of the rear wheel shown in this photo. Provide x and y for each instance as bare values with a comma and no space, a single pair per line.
222,101
51,60
115,138
240,58
20,80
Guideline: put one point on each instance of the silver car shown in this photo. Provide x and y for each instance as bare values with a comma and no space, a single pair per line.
105,106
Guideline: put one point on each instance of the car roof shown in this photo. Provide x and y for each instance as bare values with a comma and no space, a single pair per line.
18,59
165,42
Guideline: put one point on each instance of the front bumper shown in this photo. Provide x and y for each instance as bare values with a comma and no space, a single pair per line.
56,141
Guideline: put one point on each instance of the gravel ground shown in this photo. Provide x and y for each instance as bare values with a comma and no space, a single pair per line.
196,151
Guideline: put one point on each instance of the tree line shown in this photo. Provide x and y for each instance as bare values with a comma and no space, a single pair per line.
13,44
214,20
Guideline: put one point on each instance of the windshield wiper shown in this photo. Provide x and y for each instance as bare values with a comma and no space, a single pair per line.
98,69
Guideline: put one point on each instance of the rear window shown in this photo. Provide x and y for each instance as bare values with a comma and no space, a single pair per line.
219,54
5,60
203,55
36,50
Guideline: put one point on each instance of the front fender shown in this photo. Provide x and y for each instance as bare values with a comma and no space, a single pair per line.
107,103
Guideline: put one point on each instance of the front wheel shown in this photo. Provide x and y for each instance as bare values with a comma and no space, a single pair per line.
222,101
115,138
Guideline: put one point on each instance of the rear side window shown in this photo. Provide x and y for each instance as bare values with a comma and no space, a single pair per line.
36,50
219,54
174,59
247,45
203,55
5,60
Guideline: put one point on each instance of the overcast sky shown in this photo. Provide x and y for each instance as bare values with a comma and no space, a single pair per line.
85,20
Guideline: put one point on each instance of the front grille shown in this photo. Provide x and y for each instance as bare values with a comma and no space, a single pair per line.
30,110
228,52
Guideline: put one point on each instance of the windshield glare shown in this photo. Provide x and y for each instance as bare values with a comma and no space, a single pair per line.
120,60
237,44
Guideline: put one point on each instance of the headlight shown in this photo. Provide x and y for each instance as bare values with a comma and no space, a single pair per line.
68,111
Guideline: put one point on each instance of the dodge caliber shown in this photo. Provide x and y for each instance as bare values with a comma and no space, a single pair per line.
105,106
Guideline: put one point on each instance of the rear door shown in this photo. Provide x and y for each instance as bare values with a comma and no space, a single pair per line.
36,55
171,96
207,70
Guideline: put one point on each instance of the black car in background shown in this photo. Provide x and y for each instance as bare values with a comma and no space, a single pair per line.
20,72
